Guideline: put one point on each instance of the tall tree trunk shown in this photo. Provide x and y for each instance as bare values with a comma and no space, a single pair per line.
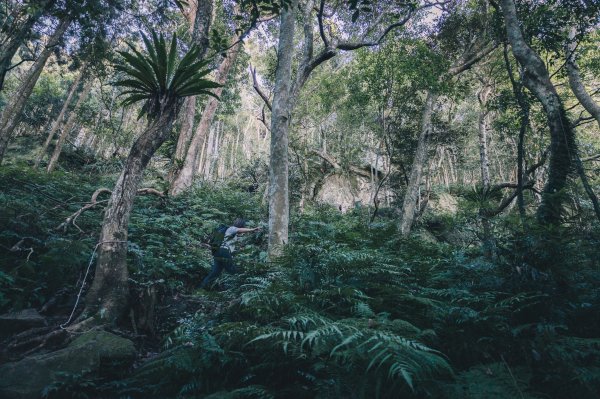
562,140
191,162
524,106
11,116
107,297
483,141
201,14
16,37
68,126
214,156
409,206
188,113
281,114
588,103
200,170
575,81
488,244
59,119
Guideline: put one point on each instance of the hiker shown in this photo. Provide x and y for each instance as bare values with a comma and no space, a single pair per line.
223,251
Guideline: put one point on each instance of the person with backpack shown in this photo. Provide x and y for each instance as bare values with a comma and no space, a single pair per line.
222,245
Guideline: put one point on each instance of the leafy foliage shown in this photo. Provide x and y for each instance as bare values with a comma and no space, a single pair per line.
160,76
350,310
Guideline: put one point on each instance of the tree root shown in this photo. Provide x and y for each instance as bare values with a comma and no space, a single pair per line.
34,340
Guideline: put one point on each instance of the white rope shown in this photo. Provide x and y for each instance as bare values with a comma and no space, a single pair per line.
62,326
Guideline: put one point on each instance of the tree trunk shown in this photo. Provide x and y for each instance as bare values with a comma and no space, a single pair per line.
483,145
11,116
68,126
16,37
107,297
280,124
59,119
201,14
409,206
188,113
575,81
488,244
191,162
588,103
562,141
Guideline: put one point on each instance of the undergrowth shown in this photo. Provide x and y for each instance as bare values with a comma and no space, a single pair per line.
350,311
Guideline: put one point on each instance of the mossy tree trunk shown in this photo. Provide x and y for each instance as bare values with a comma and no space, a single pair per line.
562,141
409,206
107,298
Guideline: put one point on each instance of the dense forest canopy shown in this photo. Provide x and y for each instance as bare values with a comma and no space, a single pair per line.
403,193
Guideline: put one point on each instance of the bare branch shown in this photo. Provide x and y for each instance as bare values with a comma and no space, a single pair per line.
321,29
94,202
468,60
258,89
592,158
347,46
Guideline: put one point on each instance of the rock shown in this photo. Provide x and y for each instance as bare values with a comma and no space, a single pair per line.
445,203
345,192
27,378
16,322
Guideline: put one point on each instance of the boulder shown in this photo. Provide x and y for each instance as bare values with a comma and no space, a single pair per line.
94,349
16,322
344,192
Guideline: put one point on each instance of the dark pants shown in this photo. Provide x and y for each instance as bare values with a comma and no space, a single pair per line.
221,260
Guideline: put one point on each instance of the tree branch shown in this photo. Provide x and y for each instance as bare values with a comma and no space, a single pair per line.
258,89
466,62
320,19
94,201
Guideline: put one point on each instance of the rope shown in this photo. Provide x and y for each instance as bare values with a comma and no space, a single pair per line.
62,326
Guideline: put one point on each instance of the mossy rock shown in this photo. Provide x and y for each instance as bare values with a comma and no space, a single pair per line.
91,351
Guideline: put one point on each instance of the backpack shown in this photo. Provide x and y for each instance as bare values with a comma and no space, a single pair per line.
217,237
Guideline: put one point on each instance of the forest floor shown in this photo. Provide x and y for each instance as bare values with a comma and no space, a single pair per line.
350,311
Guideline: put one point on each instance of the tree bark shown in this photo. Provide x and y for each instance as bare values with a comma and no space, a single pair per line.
185,177
68,126
107,297
409,206
11,116
575,81
279,210
59,119
562,142
483,145
517,88
488,244
202,17
588,103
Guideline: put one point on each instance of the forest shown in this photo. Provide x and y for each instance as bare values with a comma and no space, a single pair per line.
300,199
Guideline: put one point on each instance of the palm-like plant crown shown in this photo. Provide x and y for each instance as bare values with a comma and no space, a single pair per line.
159,78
